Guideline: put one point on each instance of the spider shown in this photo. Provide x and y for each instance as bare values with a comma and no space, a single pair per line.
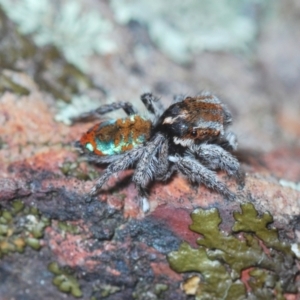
189,137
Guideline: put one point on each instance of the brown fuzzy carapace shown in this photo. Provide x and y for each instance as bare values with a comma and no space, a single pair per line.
201,107
207,116
196,118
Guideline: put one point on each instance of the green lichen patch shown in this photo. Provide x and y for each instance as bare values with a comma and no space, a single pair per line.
64,280
7,84
159,288
68,227
103,290
222,258
144,290
75,169
218,281
249,221
21,226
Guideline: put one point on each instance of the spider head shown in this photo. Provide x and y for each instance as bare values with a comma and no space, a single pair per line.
195,120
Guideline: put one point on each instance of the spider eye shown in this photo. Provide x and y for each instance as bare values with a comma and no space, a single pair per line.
194,132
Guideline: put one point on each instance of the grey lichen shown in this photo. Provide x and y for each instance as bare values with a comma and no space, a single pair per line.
290,184
79,104
76,31
182,28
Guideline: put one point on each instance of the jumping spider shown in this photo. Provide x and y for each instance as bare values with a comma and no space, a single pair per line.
189,137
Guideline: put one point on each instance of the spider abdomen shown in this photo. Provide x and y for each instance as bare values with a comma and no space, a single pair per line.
116,136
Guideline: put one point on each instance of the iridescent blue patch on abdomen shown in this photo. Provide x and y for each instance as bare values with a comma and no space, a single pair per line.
109,147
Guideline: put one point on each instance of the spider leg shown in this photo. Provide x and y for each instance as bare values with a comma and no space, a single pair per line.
152,104
165,176
153,163
163,162
128,108
228,141
164,171
105,159
227,115
148,164
215,157
178,98
121,163
198,173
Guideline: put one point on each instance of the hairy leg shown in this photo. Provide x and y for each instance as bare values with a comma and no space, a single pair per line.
198,173
165,169
215,157
97,159
127,160
148,164
97,113
227,115
163,164
165,176
178,98
152,104
228,141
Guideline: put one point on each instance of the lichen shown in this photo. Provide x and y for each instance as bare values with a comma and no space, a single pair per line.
103,290
7,84
183,28
61,79
68,25
290,184
64,280
222,258
68,227
78,105
145,290
21,226
73,169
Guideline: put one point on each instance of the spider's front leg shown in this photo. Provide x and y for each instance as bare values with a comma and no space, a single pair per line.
198,173
122,163
150,165
228,141
128,108
215,157
152,104
165,169
178,98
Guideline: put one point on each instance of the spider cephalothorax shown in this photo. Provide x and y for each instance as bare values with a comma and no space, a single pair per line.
189,137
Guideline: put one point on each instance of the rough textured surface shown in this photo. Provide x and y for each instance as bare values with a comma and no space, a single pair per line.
108,247
250,248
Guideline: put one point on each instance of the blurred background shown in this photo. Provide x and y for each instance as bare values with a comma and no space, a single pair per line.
84,53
